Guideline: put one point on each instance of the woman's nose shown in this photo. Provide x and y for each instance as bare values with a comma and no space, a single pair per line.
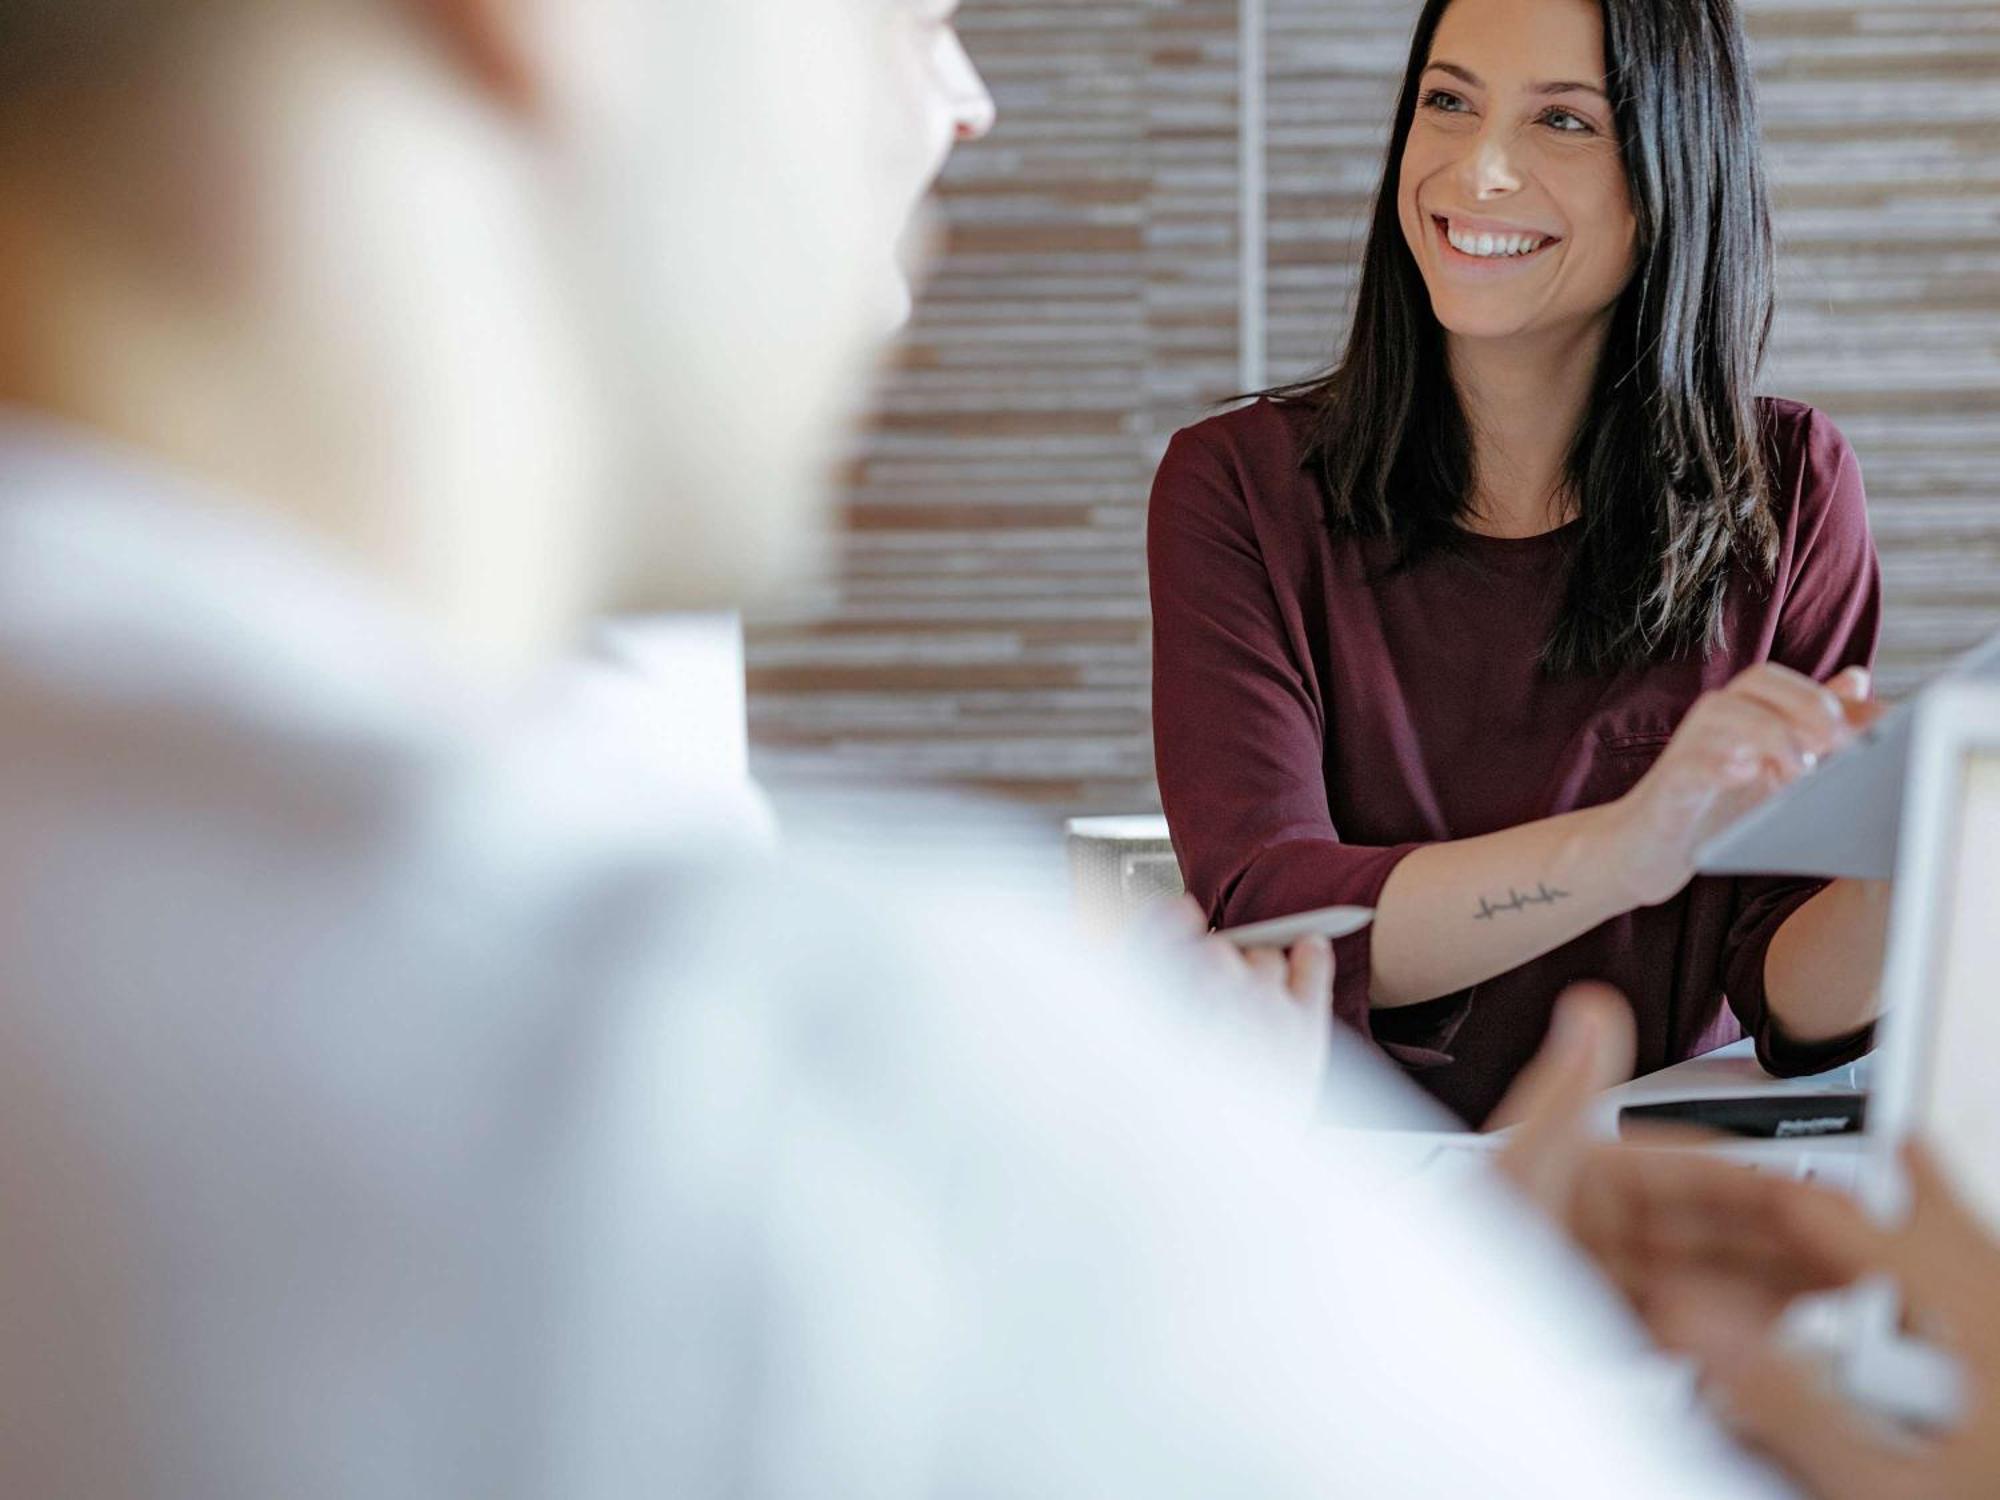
1490,168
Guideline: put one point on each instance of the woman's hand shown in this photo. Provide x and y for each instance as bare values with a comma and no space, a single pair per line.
1734,748
1282,1001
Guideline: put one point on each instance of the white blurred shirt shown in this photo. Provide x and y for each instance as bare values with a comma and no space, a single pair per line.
391,1106
673,686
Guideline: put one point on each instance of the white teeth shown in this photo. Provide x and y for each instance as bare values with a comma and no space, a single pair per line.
1492,246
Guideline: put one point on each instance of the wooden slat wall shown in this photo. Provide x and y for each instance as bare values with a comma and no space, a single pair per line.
1883,130
988,623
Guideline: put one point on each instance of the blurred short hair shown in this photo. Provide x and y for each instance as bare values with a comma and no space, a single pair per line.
48,45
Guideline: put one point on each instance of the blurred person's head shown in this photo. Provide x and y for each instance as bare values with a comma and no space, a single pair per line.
532,306
938,99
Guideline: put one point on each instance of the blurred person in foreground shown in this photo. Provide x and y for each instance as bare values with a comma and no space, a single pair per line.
390,1107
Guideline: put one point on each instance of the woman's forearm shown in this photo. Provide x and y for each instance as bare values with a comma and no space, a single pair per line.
1452,915
1823,970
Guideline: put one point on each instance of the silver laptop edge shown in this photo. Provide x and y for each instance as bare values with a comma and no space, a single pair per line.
1950,726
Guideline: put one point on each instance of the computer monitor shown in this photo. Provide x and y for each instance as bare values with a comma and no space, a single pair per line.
1935,1075
1955,1104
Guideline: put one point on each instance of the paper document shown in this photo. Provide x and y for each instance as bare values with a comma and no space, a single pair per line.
1841,819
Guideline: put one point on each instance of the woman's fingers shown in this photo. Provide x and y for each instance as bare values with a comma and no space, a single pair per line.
1309,977
1181,918
1267,968
1774,724
1815,706
1226,964
1310,985
1742,739
1816,716
1853,686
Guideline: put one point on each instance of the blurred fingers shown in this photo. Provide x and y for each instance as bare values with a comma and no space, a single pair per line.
1647,1214
1180,920
1855,688
1782,1409
1946,1261
1222,964
1309,976
1589,1048
1268,968
1852,686
1856,691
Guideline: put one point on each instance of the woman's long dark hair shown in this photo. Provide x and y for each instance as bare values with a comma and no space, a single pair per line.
1667,472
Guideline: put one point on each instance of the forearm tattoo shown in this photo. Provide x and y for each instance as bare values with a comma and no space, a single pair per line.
1542,895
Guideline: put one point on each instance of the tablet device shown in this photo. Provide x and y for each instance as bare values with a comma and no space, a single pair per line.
1282,932
1846,817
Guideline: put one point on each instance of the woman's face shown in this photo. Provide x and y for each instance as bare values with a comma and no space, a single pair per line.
1512,193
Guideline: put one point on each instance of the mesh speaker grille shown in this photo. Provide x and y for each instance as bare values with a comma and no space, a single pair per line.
1119,865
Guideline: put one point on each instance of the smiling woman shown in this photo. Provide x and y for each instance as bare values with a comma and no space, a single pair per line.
1530,593
1451,167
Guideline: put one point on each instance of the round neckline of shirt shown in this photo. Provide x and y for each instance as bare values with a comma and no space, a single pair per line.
1518,543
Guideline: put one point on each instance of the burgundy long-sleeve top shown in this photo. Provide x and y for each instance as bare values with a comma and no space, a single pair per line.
1317,717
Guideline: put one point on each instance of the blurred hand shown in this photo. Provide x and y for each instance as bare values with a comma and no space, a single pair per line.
1667,1224
1588,1050
1949,1270
1282,999
1735,747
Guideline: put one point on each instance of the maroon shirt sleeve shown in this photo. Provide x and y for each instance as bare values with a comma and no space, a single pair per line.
1829,619
1240,735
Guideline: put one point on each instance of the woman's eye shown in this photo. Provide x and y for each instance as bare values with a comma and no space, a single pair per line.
1444,102
1568,123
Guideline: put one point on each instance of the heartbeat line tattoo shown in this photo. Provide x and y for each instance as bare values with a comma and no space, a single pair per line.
1541,895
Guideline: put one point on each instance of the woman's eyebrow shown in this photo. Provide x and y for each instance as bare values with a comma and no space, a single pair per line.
1571,88
1466,75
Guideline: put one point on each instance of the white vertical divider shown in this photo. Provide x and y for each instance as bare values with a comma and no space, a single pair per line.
1252,336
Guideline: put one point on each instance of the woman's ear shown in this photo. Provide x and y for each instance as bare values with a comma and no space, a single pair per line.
494,41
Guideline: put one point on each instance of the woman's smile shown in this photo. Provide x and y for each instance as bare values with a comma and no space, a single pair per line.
1483,248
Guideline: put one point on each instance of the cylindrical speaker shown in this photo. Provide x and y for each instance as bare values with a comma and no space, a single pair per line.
1118,865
